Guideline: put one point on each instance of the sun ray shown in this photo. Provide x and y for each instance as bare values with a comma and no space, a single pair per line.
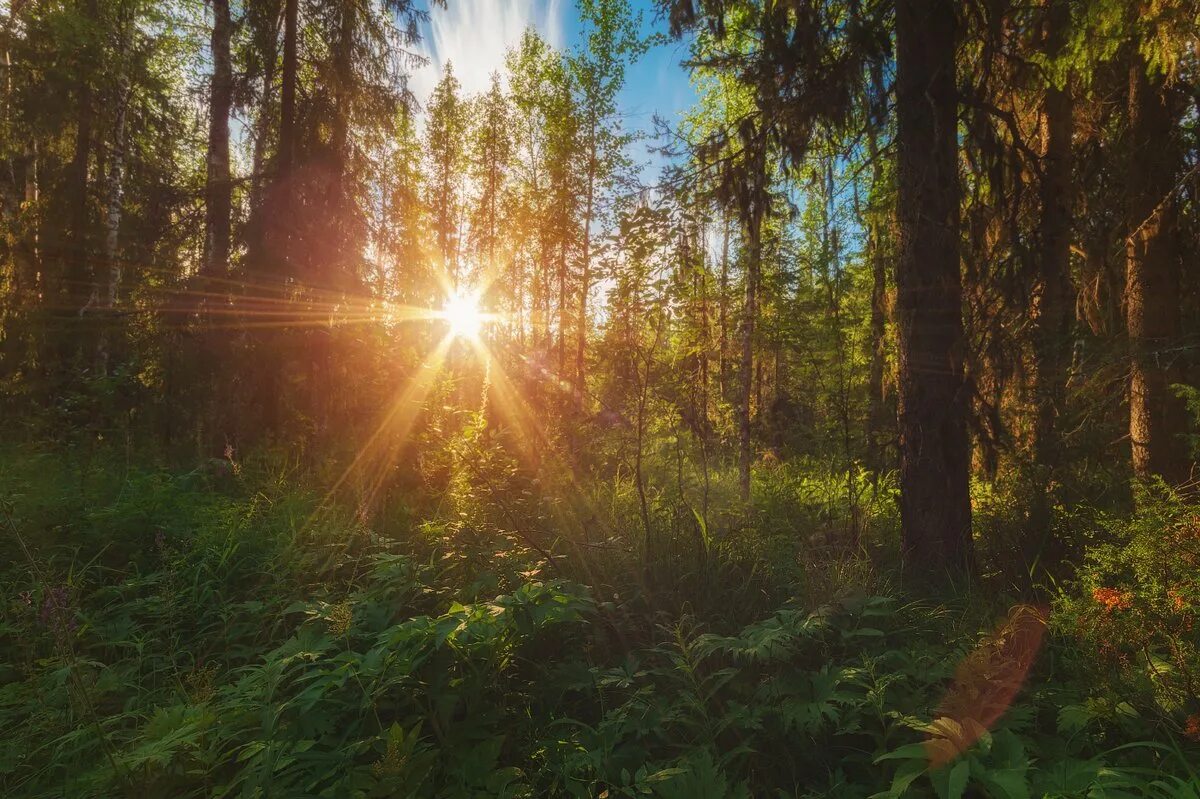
383,446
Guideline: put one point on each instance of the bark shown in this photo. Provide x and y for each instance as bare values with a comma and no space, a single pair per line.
1157,417
723,312
287,92
262,135
581,341
562,311
29,249
113,192
1053,303
705,342
749,313
935,509
76,270
877,421
218,186
336,273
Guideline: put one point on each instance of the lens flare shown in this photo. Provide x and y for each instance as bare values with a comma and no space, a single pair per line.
462,312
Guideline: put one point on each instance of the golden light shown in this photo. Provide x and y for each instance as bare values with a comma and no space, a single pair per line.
462,312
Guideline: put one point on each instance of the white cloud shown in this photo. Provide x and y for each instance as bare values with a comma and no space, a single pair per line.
474,35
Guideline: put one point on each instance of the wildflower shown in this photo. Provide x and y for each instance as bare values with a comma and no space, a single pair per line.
23,604
340,617
391,764
56,610
1191,727
200,683
234,466
1112,599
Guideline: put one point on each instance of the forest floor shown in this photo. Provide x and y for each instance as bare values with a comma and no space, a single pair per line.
231,633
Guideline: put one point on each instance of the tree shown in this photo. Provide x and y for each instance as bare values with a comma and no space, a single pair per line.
491,153
114,182
76,268
880,220
598,74
1157,417
935,505
402,228
287,92
218,183
800,68
445,144
1052,304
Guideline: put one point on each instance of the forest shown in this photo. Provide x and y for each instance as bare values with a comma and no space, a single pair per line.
416,398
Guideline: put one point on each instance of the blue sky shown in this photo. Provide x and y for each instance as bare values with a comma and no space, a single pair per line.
475,34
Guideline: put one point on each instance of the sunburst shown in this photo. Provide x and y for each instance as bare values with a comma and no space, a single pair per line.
463,314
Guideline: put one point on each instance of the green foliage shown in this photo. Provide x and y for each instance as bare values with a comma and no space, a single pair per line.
1135,608
199,635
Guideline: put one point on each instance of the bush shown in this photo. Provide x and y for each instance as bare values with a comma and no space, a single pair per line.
1136,604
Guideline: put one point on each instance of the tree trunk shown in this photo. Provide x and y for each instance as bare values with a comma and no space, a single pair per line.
1053,304
219,187
287,91
935,508
585,286
877,421
723,311
1157,417
77,272
278,222
749,312
113,191
562,313
259,180
704,345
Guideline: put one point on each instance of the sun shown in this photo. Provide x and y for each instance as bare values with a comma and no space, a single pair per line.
462,312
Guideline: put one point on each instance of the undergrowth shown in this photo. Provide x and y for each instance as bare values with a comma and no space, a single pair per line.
227,632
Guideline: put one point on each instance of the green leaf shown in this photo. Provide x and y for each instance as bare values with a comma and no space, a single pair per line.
951,782
1007,783
1074,718
904,777
915,751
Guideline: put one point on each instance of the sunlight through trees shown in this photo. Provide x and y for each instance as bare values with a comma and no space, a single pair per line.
378,422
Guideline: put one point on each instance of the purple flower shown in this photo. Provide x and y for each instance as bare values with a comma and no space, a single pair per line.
56,609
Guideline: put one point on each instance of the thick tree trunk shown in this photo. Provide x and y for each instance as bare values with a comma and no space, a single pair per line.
1053,304
1157,417
935,508
219,187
